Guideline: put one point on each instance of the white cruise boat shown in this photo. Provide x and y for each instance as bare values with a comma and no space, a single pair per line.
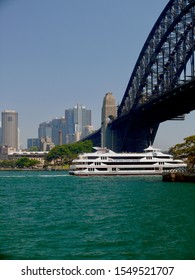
105,162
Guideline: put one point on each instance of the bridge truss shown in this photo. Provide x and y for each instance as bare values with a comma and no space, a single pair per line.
162,84
167,57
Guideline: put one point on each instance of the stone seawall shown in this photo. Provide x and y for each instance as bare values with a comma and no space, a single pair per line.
178,177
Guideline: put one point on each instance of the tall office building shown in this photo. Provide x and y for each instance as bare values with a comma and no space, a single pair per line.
9,120
77,119
58,130
44,130
54,130
32,143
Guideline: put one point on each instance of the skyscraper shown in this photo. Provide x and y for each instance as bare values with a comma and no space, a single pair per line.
55,130
9,120
44,130
58,131
77,119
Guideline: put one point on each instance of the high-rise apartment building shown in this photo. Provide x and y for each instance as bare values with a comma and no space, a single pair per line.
9,119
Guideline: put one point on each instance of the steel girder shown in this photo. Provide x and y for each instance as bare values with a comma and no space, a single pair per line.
162,62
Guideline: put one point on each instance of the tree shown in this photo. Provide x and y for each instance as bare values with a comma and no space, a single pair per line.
80,147
7,164
25,162
58,154
185,150
64,154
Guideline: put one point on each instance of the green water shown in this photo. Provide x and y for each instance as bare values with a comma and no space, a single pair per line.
51,215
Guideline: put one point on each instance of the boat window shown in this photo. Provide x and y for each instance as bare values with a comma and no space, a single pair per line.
90,169
164,157
126,158
137,169
103,157
102,169
92,157
130,163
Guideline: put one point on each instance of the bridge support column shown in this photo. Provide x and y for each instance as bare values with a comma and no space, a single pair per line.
108,114
131,138
132,134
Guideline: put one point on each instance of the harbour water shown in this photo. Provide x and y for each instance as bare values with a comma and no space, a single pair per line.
54,216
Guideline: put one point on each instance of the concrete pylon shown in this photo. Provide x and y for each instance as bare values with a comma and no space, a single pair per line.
109,113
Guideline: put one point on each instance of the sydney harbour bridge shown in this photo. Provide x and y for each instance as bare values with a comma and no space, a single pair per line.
161,86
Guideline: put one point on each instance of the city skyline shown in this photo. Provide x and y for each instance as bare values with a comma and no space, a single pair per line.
74,125
58,53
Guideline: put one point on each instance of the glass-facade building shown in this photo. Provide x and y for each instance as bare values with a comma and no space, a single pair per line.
77,118
33,142
58,131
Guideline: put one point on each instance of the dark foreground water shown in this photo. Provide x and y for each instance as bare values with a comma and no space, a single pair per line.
51,215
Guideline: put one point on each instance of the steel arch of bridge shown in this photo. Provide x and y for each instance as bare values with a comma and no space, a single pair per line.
162,62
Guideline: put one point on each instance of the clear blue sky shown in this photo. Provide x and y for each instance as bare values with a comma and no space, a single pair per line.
57,53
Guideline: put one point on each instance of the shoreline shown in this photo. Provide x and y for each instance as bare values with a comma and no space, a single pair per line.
26,169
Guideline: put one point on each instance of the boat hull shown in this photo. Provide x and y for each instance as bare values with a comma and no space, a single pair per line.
140,173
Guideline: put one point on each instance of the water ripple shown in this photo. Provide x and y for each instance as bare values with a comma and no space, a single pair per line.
56,216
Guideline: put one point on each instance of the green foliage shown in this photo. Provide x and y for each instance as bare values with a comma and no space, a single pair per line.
185,150
64,154
7,164
23,162
33,149
58,154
